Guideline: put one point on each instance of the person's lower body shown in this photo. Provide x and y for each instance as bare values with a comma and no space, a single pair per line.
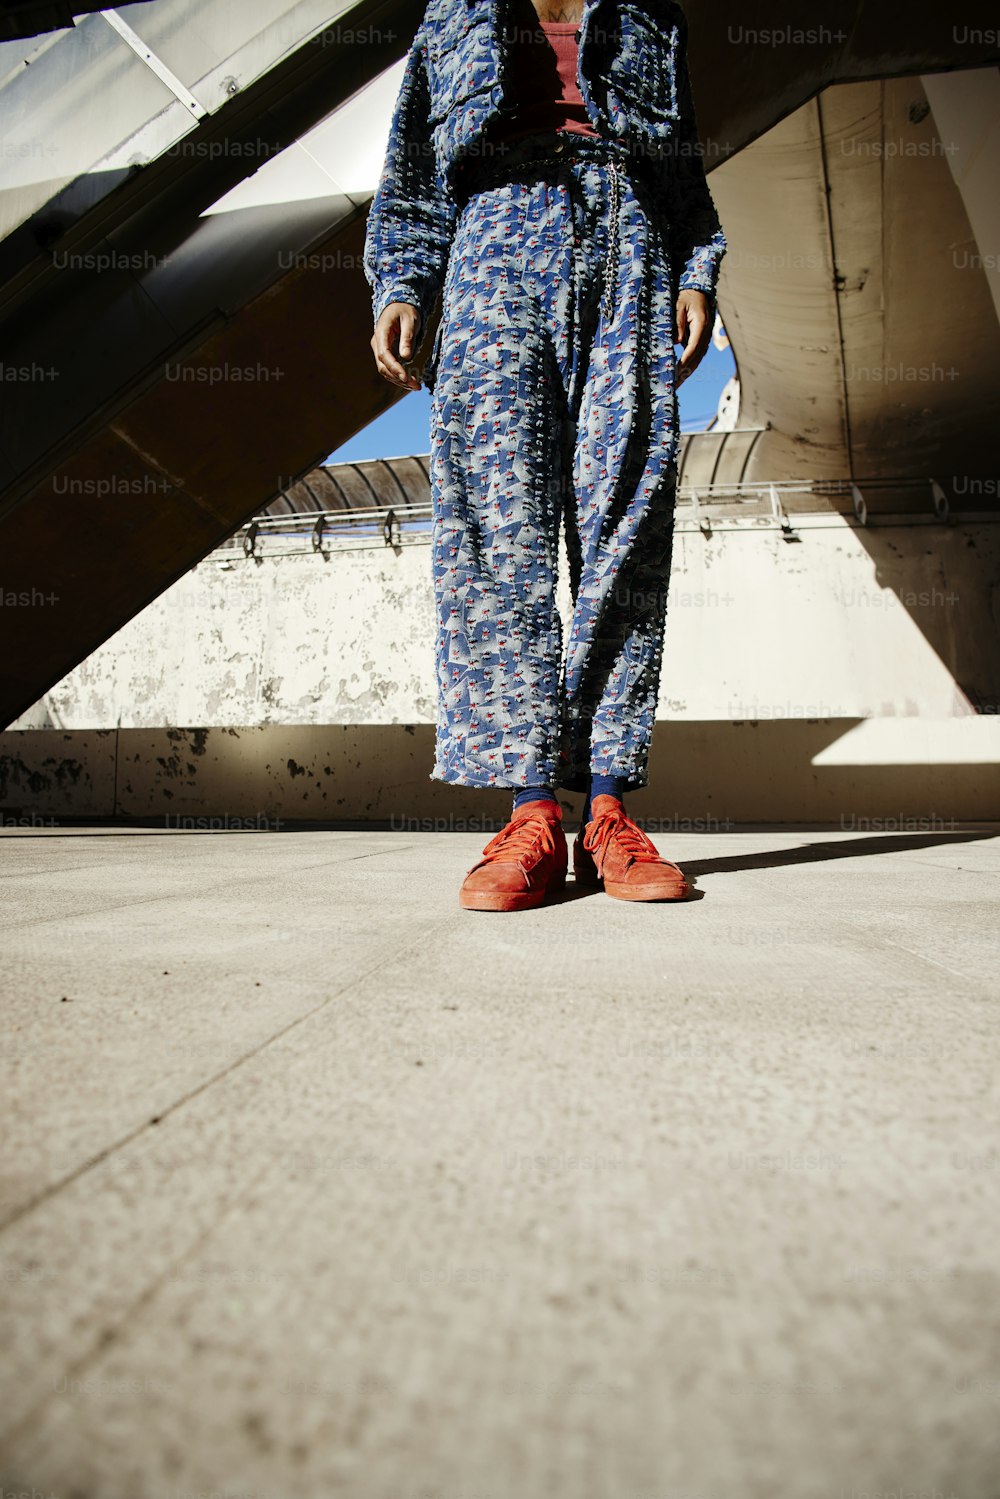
552,402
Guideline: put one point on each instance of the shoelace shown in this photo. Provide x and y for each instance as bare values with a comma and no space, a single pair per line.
520,837
631,839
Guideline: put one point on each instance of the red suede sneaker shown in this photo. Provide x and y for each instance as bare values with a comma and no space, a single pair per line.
611,850
522,866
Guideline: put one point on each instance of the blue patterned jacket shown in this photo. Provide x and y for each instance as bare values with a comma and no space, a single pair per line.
633,78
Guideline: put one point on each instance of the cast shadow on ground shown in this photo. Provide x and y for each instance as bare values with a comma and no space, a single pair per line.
812,853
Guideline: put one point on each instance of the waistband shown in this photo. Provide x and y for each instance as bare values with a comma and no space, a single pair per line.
510,158
555,149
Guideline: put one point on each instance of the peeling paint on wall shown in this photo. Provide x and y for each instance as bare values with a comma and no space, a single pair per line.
754,628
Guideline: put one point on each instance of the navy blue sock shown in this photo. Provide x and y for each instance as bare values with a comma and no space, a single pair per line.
534,794
601,786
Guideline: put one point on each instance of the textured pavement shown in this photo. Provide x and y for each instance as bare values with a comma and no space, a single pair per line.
315,1185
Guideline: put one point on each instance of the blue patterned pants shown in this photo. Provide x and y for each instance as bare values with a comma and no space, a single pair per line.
548,409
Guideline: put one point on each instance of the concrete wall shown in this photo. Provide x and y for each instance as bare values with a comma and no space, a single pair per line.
843,622
828,677
296,640
921,776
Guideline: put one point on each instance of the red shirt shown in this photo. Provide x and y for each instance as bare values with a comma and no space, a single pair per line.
543,79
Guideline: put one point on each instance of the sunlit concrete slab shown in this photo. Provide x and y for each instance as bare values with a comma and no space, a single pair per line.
316,1184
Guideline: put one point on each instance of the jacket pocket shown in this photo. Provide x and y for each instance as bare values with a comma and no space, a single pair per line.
460,63
643,68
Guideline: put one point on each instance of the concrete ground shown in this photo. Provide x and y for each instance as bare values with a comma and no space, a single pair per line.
315,1185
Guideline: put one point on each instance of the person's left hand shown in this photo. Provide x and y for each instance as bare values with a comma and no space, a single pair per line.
693,330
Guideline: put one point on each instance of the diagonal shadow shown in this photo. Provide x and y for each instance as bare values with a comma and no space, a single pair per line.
814,853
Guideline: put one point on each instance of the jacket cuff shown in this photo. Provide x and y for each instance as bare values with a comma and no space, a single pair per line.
689,282
701,272
398,291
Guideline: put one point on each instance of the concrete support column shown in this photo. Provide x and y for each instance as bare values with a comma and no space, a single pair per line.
966,109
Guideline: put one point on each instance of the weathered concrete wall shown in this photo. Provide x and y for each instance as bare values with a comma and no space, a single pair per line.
911,774
290,640
893,621
830,678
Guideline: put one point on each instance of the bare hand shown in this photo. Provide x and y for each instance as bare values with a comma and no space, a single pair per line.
398,321
694,331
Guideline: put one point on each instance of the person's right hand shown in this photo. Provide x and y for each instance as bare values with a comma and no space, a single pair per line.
398,321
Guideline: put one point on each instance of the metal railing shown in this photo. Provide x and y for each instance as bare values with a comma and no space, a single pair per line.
781,505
